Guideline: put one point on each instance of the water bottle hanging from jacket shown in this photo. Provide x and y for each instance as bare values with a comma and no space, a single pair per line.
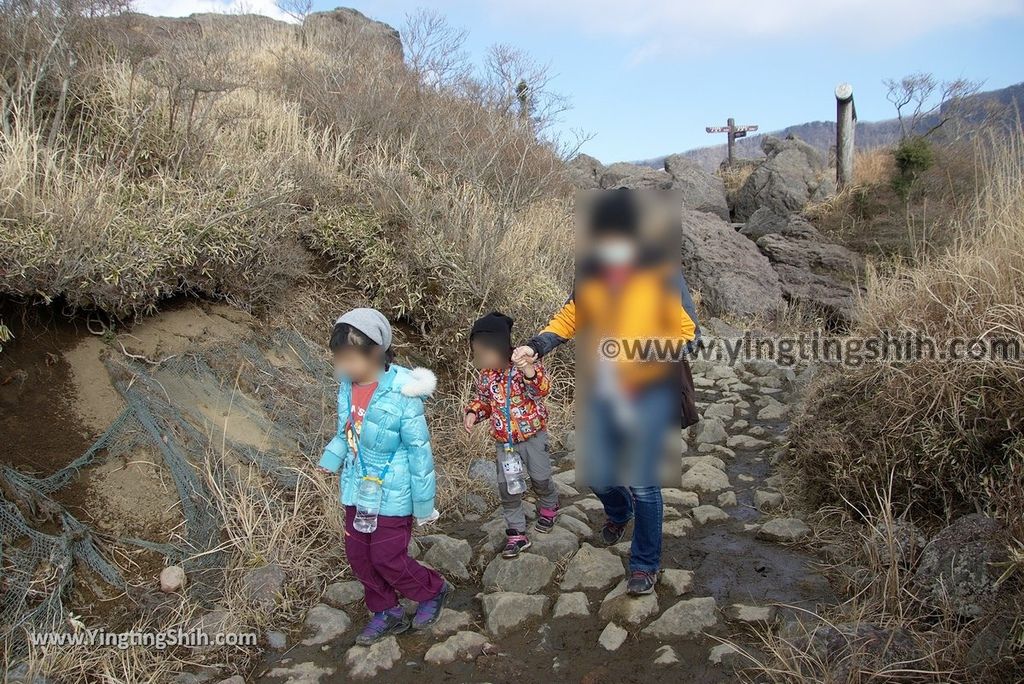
511,464
368,498
371,490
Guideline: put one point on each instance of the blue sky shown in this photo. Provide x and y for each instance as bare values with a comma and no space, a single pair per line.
645,80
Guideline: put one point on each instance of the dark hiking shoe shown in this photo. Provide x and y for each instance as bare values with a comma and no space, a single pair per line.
516,544
427,612
611,533
546,520
641,582
382,624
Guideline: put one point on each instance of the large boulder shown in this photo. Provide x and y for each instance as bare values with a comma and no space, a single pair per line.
634,176
732,275
792,175
818,273
585,172
963,563
699,189
767,221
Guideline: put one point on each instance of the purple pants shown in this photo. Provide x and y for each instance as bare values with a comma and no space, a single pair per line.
380,560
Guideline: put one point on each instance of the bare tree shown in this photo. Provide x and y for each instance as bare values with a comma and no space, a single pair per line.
435,49
295,9
924,104
512,81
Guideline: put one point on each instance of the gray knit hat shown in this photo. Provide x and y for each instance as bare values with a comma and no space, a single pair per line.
371,323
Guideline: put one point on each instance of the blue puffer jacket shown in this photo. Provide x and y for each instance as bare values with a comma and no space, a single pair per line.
394,424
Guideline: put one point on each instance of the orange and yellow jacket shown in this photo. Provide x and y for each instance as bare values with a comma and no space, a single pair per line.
645,305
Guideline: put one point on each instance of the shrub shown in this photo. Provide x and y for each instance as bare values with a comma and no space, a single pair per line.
913,156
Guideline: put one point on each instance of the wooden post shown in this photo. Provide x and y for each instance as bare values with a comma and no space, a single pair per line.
732,138
846,125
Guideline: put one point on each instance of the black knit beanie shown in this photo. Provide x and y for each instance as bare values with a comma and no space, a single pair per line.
494,330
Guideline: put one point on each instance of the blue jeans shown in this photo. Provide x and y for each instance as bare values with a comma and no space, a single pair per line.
645,505
630,454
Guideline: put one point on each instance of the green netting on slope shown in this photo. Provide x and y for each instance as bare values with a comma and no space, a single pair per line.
174,408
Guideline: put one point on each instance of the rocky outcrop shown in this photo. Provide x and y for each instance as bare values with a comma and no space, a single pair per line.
699,189
732,275
356,30
962,564
814,271
792,175
626,175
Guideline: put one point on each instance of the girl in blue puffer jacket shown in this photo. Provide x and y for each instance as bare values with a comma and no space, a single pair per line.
382,449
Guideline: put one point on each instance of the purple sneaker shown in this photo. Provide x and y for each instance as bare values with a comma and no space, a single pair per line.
382,624
427,612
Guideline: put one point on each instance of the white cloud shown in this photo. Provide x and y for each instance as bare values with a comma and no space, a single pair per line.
665,27
183,8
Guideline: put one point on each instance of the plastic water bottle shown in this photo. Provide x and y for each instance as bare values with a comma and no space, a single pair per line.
515,473
368,499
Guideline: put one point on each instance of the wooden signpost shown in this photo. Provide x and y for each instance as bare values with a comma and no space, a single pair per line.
734,132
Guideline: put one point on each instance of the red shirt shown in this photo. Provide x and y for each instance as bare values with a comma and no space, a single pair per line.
529,416
361,395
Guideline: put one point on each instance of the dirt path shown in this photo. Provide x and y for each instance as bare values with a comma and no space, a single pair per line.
726,572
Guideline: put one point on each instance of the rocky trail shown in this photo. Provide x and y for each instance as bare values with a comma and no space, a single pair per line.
730,566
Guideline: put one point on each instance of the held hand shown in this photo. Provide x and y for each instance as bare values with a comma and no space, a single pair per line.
526,366
523,353
469,421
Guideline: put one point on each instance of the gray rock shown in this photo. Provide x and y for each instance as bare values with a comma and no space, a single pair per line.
276,639
341,594
571,604
679,582
686,618
699,189
724,654
721,410
665,655
233,679
626,175
215,622
592,568
449,622
449,556
263,585
765,500
761,616
745,442
556,544
690,461
677,497
733,276
484,470
459,646
344,28
504,611
726,499
585,172
786,181
705,478
573,524
963,562
773,411
327,624
364,662
618,606
527,574
784,530
710,431
708,513
304,672
21,674
612,637
675,528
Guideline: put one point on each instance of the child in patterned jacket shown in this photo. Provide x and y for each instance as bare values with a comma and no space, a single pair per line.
511,397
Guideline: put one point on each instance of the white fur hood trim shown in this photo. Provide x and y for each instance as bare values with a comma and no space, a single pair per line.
421,382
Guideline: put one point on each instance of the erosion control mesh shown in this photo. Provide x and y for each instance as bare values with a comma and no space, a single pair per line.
209,413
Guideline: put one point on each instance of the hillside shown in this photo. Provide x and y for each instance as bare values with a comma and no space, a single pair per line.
870,134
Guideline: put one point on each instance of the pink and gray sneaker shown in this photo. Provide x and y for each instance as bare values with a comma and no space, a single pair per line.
546,519
516,544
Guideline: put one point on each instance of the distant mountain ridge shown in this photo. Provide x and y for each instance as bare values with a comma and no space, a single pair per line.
822,134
